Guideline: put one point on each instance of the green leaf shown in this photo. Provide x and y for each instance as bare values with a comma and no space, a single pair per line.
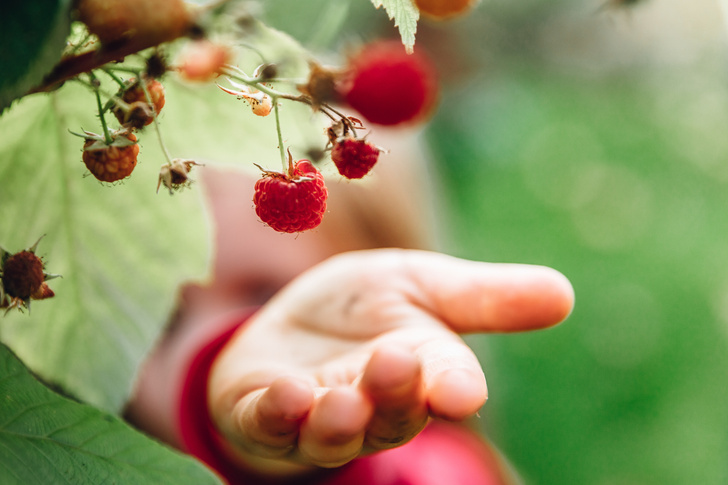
122,250
46,438
405,15
32,39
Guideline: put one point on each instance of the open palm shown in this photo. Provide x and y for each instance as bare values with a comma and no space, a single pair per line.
359,352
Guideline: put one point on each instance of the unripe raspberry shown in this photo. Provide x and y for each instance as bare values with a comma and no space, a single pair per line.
388,86
260,103
110,163
444,9
139,113
354,157
202,60
294,201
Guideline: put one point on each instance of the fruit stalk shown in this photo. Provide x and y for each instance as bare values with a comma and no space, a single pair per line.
94,85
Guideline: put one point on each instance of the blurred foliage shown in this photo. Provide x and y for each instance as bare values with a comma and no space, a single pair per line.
607,162
32,44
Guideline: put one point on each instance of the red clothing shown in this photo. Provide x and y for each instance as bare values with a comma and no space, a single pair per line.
443,454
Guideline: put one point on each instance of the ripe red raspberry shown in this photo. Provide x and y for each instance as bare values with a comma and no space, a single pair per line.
110,163
354,157
293,201
444,9
388,86
139,114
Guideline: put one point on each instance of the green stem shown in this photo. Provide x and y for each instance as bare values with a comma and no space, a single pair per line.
130,70
116,78
238,75
99,89
107,136
281,149
154,119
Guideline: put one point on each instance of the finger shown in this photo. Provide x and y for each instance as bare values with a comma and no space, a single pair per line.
454,382
393,381
269,419
333,433
477,297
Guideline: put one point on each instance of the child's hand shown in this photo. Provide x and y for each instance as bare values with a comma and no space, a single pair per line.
357,353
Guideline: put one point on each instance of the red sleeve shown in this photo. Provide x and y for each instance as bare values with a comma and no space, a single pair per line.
442,454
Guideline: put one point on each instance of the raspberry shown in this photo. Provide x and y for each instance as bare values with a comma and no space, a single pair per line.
22,277
110,163
139,113
388,86
175,175
443,9
353,157
321,85
293,201
201,60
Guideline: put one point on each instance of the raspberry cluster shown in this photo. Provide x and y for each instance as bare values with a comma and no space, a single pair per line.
383,83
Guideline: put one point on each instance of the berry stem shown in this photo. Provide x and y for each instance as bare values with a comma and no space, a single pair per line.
345,119
95,85
113,76
238,75
148,97
282,151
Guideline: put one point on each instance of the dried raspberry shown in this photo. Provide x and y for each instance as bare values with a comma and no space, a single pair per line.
293,201
110,163
22,275
388,86
444,9
175,175
321,85
156,65
138,113
354,157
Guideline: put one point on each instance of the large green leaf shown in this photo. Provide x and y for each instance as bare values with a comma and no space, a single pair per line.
32,39
123,250
46,438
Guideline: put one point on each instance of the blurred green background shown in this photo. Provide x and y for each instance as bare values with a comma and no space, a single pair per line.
593,140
